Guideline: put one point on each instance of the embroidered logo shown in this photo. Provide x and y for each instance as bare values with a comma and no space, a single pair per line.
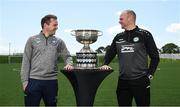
127,48
120,41
136,39
53,42
38,40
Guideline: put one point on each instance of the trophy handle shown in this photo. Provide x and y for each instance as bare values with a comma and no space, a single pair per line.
99,33
73,33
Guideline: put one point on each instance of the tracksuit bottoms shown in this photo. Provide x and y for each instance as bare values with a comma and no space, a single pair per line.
37,89
139,89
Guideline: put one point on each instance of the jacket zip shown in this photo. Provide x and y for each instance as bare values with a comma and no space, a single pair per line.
46,41
128,36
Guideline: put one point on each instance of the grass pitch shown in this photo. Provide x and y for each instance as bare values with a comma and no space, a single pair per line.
165,87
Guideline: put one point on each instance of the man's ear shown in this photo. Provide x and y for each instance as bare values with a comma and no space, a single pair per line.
129,19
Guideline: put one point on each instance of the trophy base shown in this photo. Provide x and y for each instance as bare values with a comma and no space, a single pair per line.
86,60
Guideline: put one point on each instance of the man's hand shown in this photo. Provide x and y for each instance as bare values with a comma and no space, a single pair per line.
68,67
105,67
24,86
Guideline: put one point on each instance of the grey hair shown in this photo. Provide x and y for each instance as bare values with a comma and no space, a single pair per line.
131,12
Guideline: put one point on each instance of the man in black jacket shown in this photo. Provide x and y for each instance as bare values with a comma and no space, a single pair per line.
133,46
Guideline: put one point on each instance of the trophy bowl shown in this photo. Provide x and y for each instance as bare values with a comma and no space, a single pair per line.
86,36
86,58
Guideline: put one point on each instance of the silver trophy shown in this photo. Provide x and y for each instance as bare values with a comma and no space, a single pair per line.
86,58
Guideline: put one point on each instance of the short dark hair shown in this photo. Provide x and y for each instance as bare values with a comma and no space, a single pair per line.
46,19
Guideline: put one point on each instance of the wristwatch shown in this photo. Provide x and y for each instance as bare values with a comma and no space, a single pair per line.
150,77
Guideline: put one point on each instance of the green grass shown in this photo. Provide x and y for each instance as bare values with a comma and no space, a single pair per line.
165,87
166,84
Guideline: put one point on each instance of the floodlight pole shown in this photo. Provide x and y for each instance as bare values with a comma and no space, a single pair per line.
9,54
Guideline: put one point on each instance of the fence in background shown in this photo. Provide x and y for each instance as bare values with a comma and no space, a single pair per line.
170,56
100,57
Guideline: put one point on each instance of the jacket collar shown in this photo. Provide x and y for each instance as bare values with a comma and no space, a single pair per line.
136,28
43,36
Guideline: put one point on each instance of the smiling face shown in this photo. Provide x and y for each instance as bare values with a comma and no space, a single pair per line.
124,20
127,19
52,26
49,24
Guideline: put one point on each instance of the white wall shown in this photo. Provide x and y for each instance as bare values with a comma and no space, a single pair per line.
170,56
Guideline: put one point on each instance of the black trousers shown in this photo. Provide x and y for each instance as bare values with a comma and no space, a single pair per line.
37,89
139,89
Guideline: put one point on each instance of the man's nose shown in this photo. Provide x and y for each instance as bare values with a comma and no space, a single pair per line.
56,28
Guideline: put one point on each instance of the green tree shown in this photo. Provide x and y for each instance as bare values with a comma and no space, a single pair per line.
100,50
170,48
159,50
107,48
